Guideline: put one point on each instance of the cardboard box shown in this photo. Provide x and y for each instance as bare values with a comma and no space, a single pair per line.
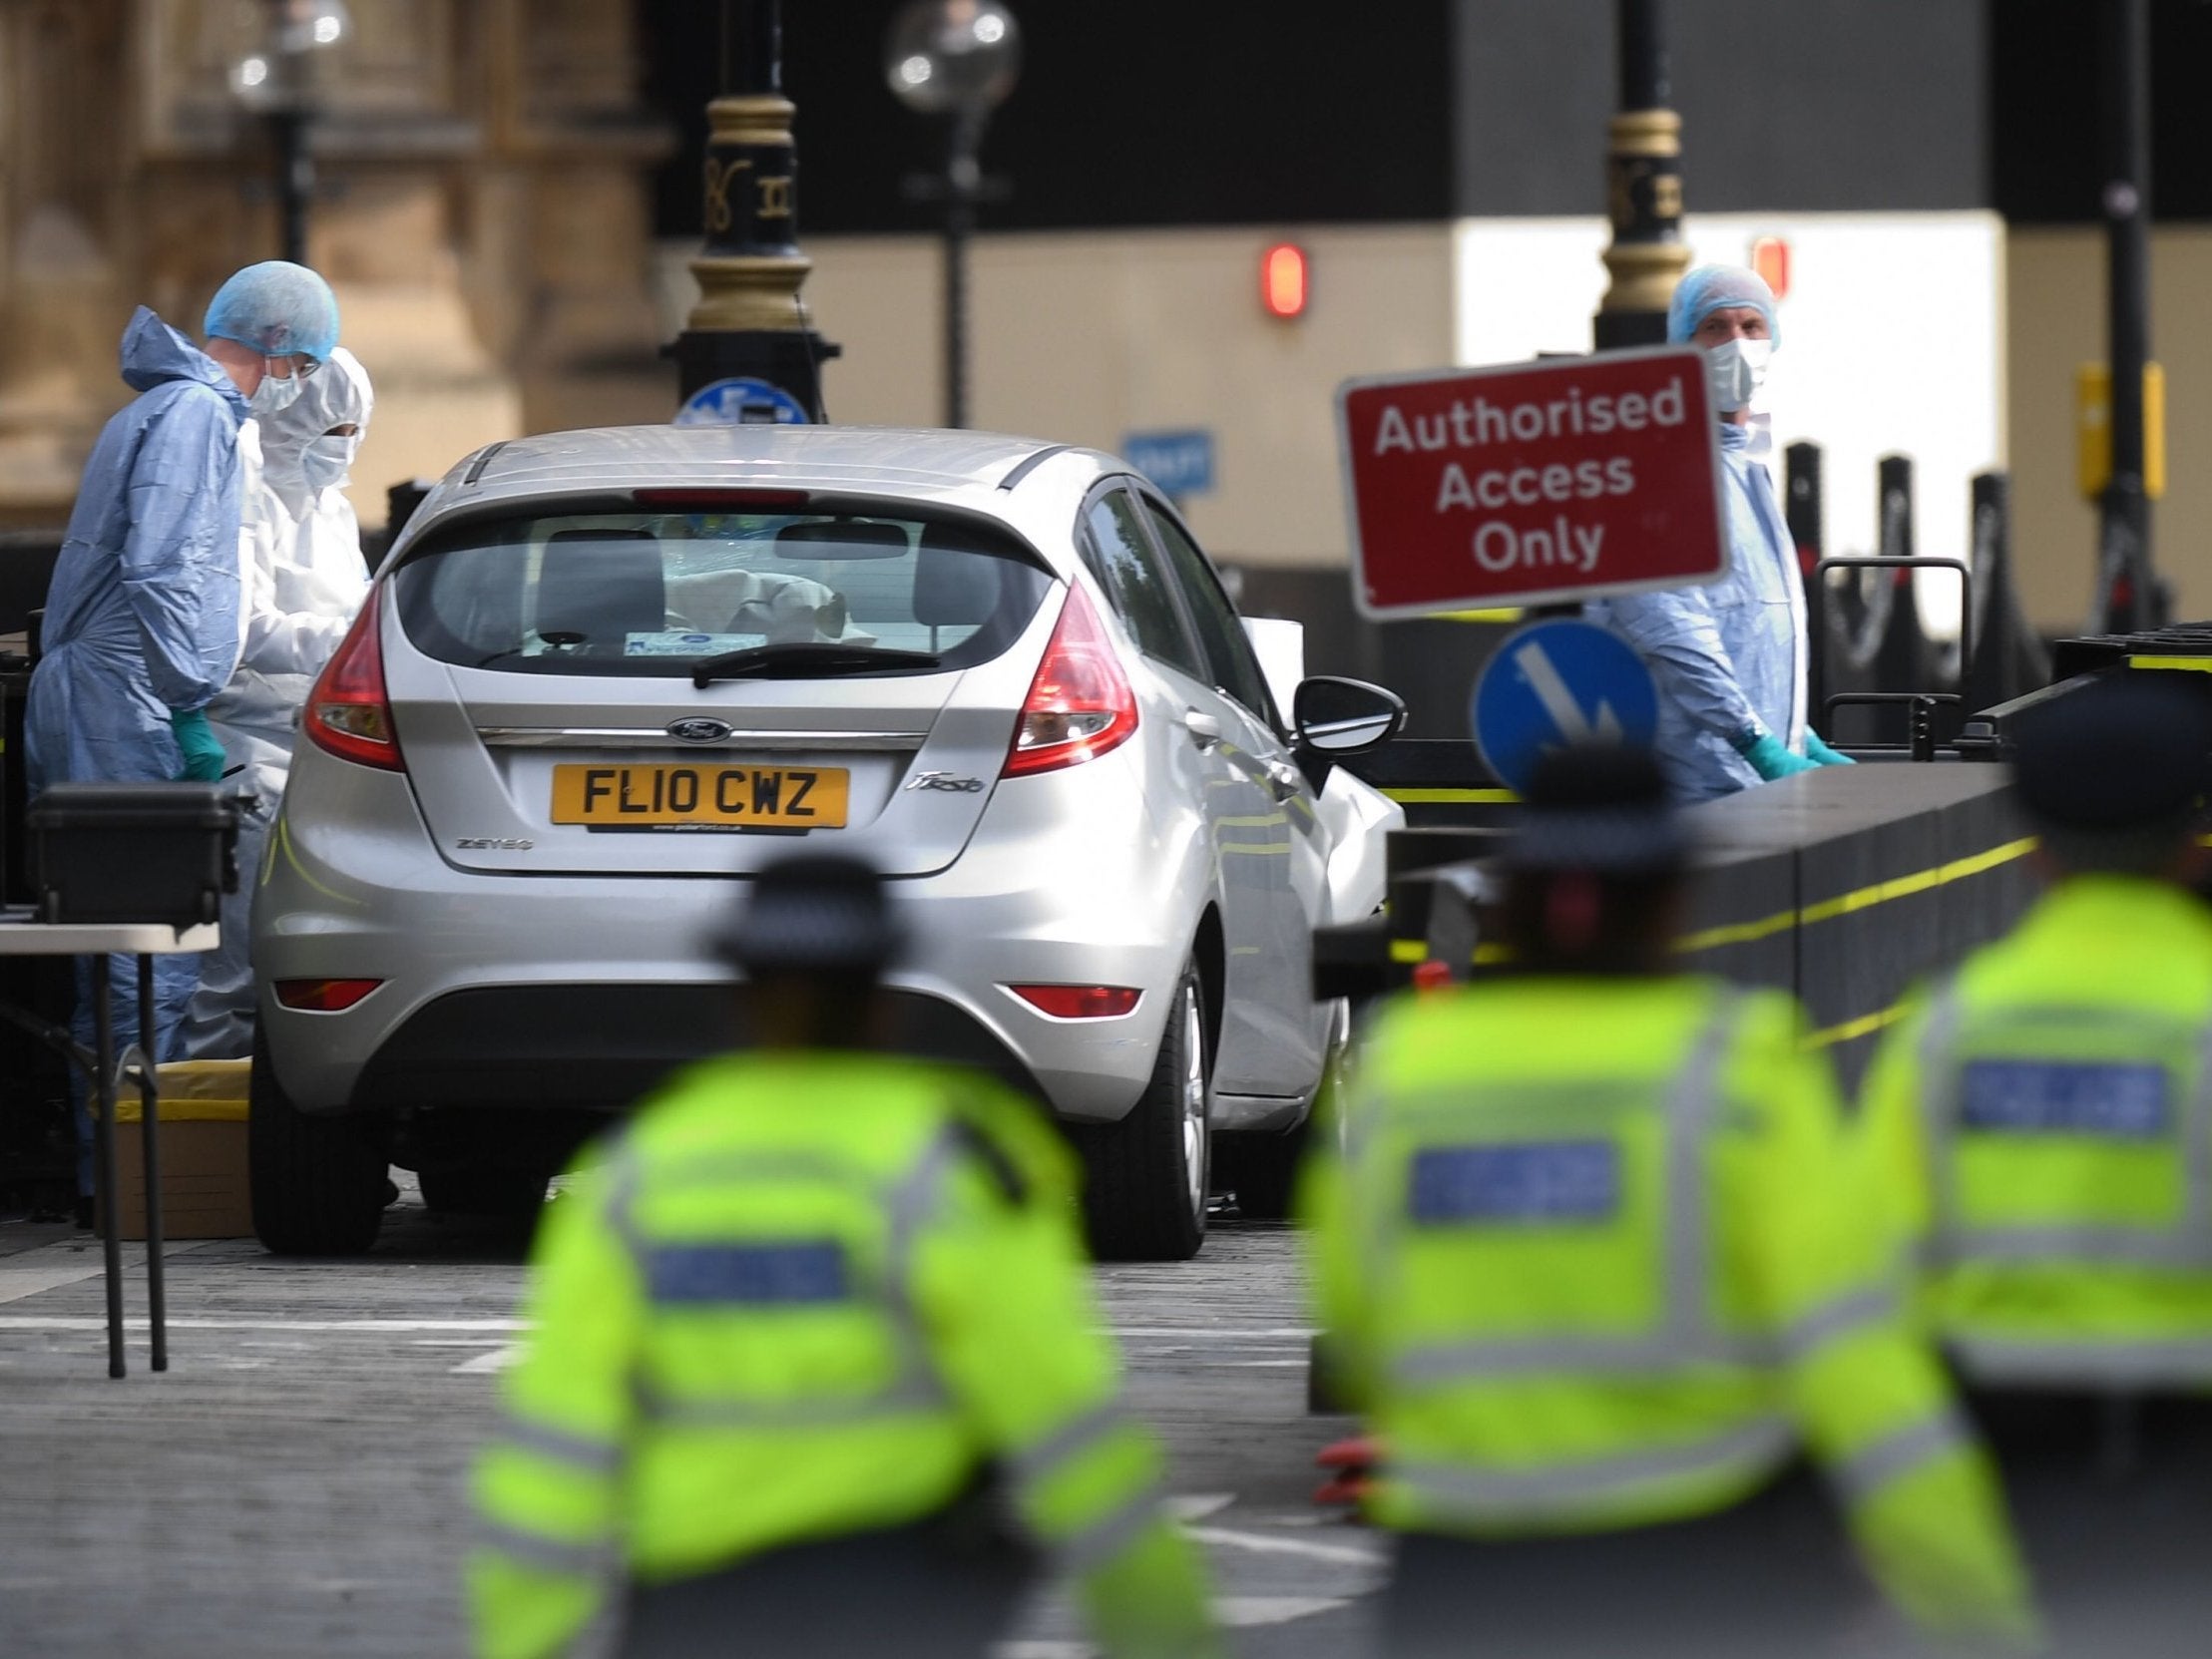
204,1170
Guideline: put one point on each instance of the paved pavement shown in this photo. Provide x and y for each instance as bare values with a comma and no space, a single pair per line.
294,1484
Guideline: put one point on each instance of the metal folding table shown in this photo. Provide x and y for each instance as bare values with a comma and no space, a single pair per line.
21,935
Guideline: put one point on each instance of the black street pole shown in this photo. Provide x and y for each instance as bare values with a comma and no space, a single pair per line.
1643,173
296,176
750,321
2126,595
963,188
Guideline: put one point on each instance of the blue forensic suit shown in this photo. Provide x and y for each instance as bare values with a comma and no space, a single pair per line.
1729,658
142,616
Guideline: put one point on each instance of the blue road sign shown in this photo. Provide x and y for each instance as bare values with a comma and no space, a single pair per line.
742,401
1180,462
1555,683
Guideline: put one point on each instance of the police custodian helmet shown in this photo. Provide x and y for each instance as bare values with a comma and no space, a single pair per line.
818,913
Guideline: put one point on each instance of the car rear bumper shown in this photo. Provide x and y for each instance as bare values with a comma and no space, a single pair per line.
603,1046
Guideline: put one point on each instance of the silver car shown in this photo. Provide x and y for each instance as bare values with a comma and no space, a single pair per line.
605,676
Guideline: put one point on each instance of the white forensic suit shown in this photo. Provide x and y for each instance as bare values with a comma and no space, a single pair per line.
304,578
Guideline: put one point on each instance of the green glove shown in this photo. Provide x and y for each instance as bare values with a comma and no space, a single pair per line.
1822,755
1769,759
204,756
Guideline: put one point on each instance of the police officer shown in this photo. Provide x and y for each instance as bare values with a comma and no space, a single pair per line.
1593,1263
2045,1114
814,1323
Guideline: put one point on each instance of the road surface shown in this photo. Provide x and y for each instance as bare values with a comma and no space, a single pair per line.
294,1485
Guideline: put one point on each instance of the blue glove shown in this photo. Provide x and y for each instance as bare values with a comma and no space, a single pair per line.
1822,755
204,756
1769,759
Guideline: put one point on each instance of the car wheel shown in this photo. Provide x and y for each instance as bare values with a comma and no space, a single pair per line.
317,1183
474,1190
1145,1192
1262,1170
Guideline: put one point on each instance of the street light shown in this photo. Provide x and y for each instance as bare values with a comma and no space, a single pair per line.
955,58
274,81
1643,169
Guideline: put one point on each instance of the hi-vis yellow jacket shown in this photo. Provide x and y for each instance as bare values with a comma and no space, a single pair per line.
806,1295
1595,1256
2045,1117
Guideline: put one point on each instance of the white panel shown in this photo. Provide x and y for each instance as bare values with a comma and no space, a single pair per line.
1892,343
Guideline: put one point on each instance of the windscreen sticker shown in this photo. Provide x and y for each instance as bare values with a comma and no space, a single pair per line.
768,1273
2108,1102
1529,1182
688,644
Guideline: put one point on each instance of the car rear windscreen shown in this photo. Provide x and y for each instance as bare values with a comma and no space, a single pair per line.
644,593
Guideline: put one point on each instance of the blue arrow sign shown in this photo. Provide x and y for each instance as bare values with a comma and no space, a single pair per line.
741,401
1555,683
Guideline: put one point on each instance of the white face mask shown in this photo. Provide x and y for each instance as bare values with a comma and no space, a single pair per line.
1735,371
274,394
327,460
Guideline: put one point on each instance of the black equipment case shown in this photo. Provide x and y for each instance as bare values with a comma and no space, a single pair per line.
132,852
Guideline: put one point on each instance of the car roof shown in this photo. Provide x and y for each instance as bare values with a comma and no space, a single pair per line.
894,460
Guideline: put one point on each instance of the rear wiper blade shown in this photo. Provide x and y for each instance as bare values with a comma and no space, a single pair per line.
803,659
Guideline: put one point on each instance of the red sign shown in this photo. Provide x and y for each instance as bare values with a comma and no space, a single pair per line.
1532,483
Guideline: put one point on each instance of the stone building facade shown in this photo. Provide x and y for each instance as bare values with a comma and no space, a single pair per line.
482,211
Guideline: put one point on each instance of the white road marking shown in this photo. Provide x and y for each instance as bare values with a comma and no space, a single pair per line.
52,1266
1198,1505
498,1359
1244,1611
1261,1544
60,1322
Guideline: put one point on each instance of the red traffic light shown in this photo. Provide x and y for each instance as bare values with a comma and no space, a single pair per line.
1283,280
1770,257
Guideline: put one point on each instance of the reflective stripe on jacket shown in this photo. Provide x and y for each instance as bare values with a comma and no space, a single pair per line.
1597,1257
806,1295
2045,1115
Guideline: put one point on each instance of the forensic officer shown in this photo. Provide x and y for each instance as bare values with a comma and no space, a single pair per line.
815,1353
1595,1267
1730,658
2044,1115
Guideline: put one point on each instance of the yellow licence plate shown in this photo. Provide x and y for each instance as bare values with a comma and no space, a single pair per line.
701,796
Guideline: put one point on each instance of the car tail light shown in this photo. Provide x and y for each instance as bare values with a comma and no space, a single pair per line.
1080,1002
1080,704
323,996
348,712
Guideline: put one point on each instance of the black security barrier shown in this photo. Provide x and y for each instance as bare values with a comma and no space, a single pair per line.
2010,659
1844,889
1934,717
1804,507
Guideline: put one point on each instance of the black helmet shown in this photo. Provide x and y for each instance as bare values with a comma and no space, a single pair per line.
818,913
2127,752
1602,808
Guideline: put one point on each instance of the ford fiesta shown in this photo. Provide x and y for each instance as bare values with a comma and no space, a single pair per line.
605,675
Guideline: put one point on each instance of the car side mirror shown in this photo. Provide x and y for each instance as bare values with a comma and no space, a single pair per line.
1345,716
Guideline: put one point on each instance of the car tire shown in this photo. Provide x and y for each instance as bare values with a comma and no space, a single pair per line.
1144,1194
317,1185
1262,1172
475,1190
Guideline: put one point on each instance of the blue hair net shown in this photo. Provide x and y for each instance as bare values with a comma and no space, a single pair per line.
1711,289
278,309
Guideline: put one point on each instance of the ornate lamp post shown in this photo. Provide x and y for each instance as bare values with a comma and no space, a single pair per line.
275,81
1643,173
751,328
956,57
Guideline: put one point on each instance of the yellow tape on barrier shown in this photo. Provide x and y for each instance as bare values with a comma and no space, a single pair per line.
1452,797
